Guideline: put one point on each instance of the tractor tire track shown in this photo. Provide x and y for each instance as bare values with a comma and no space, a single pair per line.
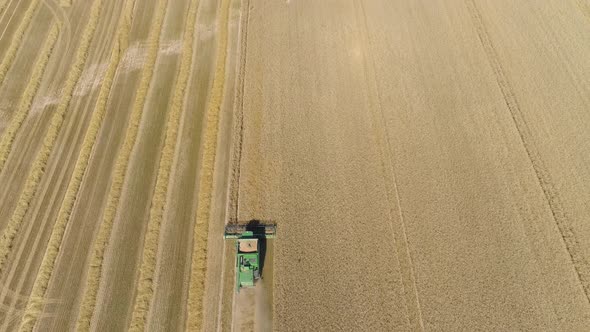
104,233
560,216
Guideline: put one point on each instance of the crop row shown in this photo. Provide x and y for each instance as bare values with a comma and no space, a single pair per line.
106,226
48,142
149,256
17,39
201,230
26,100
35,304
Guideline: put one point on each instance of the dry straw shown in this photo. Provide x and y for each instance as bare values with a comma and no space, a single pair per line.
145,287
17,39
40,163
29,94
201,231
35,304
104,233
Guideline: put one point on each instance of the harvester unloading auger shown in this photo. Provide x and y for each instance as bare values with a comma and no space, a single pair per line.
250,245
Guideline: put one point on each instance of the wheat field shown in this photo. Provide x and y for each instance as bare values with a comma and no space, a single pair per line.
426,164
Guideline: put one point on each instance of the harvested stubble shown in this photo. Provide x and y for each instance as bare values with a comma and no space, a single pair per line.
3,4
24,105
38,168
145,285
201,231
35,303
106,226
17,39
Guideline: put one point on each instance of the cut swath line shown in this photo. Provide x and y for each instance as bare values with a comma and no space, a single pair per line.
572,245
201,230
145,286
35,304
17,39
26,101
238,130
38,168
106,225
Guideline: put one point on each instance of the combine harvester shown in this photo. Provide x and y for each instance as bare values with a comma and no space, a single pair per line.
250,248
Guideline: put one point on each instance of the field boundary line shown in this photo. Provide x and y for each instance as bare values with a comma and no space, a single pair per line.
40,162
232,212
545,181
17,39
201,230
145,287
236,158
28,95
234,188
398,229
104,233
35,304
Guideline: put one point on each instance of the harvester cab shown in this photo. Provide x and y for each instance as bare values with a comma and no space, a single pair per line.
250,248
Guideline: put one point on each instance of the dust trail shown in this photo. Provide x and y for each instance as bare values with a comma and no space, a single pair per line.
560,215
199,256
17,39
35,304
38,168
28,95
145,287
106,226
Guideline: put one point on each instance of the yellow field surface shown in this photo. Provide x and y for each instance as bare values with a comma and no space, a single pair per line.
427,164
104,106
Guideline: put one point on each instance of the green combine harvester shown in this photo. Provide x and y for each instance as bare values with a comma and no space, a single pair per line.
250,246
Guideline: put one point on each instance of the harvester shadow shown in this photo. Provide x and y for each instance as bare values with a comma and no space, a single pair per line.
255,226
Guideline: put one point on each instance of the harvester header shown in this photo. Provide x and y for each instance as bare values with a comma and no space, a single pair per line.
236,231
